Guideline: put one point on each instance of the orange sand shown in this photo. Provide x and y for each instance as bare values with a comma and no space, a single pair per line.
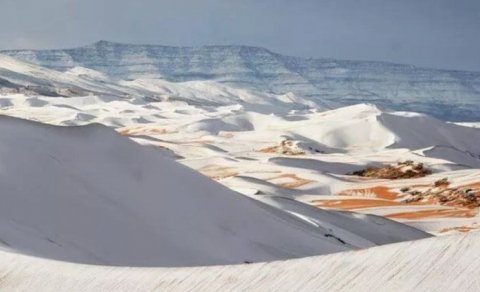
218,172
463,229
351,204
379,192
438,213
296,183
136,131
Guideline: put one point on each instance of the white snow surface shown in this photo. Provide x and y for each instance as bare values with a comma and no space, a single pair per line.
448,263
452,95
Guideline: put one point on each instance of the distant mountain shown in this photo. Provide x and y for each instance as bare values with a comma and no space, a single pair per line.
449,95
19,77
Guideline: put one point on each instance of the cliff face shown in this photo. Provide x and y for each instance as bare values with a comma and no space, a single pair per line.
451,95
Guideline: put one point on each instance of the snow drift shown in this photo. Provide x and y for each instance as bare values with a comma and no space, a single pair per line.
365,127
447,263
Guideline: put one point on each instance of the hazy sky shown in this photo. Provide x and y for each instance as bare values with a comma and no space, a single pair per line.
433,33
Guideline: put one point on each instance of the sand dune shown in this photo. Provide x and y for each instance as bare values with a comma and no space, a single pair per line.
87,194
439,264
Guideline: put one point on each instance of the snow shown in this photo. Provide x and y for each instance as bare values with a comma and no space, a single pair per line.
448,263
450,95
241,147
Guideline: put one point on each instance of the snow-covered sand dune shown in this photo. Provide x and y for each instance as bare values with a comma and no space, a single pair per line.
301,153
448,263
87,194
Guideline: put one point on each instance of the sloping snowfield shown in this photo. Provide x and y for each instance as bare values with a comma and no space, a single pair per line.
448,263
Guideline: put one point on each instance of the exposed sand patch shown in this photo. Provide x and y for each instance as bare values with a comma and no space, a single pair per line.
227,135
352,204
472,186
136,131
218,172
440,213
464,200
463,229
271,149
440,193
286,147
293,181
380,192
